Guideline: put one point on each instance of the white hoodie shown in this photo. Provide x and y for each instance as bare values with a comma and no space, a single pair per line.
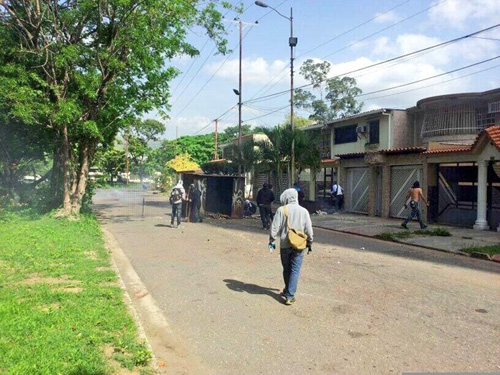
298,217
180,186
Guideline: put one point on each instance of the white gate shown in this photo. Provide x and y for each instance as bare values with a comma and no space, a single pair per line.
402,178
356,191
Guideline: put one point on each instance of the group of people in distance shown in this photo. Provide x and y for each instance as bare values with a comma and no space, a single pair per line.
290,223
193,198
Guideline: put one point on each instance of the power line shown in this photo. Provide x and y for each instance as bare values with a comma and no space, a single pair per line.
270,113
432,77
211,122
384,29
381,62
434,84
350,45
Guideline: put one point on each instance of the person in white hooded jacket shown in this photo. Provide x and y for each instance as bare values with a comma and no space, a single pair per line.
291,259
177,195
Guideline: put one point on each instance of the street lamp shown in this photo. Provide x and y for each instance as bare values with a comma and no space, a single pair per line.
292,41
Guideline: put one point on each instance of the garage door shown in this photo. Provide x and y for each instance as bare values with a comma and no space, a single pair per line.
356,191
402,178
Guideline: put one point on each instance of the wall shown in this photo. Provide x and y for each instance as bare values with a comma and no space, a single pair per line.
402,130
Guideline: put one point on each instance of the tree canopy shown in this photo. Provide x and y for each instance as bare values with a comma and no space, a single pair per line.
336,96
83,69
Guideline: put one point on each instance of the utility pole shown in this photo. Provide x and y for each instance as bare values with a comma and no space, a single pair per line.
293,43
216,151
239,87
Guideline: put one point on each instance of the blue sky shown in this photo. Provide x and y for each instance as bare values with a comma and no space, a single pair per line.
266,55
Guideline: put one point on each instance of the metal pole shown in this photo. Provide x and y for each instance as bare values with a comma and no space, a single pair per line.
216,153
126,159
143,203
239,96
292,169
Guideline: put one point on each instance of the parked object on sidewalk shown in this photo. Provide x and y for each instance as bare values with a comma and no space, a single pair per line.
337,195
177,195
265,199
298,218
415,194
249,208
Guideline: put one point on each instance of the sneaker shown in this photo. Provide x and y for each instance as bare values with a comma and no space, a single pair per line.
404,226
425,226
290,301
173,225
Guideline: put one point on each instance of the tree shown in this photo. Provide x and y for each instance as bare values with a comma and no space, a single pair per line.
112,162
337,96
82,69
199,147
248,156
232,132
138,135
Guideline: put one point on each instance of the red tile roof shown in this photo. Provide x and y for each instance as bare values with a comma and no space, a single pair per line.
351,155
402,150
448,150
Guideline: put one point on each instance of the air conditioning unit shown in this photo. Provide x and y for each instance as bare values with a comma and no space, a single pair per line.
494,107
361,129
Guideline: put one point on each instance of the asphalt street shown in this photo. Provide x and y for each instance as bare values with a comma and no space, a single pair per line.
364,306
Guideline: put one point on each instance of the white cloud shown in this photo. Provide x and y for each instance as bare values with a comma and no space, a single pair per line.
254,70
459,13
390,16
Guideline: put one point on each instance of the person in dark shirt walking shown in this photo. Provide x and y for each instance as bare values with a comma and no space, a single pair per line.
265,199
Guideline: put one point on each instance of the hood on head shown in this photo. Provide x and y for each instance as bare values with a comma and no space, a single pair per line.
289,196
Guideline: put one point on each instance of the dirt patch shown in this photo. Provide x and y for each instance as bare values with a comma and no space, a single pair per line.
102,269
35,278
51,307
109,350
91,254
70,289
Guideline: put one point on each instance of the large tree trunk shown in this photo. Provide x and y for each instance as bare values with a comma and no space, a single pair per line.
86,152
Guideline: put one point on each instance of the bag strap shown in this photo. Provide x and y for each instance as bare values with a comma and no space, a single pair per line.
285,211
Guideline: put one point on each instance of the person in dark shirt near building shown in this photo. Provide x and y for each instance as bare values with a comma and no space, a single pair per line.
265,199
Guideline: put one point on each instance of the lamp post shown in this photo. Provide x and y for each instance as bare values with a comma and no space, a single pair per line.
292,41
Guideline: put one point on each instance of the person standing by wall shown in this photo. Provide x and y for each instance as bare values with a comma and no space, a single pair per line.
290,216
177,195
338,195
265,199
195,200
415,194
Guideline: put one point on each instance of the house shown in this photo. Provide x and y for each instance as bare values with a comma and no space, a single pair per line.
449,143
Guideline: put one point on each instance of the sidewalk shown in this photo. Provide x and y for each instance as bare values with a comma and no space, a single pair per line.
372,226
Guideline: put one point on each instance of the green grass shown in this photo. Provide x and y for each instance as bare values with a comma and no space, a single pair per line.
61,308
388,236
490,250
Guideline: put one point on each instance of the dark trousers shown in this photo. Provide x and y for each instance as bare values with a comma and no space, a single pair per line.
339,202
265,215
415,212
176,213
195,216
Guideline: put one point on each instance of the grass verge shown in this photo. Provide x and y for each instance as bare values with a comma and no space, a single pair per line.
490,250
61,307
388,236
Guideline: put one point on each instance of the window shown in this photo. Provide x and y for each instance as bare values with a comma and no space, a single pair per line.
374,131
346,134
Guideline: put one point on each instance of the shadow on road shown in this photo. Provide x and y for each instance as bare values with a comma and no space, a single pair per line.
240,286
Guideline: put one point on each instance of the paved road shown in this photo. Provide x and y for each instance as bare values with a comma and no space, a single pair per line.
363,306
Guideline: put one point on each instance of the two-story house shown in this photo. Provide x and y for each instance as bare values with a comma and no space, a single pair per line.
449,143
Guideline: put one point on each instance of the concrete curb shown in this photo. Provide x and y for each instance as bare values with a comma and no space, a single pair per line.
168,355
485,257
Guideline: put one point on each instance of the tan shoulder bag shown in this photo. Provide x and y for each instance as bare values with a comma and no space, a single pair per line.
297,238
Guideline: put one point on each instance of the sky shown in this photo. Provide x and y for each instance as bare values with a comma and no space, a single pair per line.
348,34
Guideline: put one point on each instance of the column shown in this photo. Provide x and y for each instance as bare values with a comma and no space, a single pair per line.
372,193
312,184
386,191
482,184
